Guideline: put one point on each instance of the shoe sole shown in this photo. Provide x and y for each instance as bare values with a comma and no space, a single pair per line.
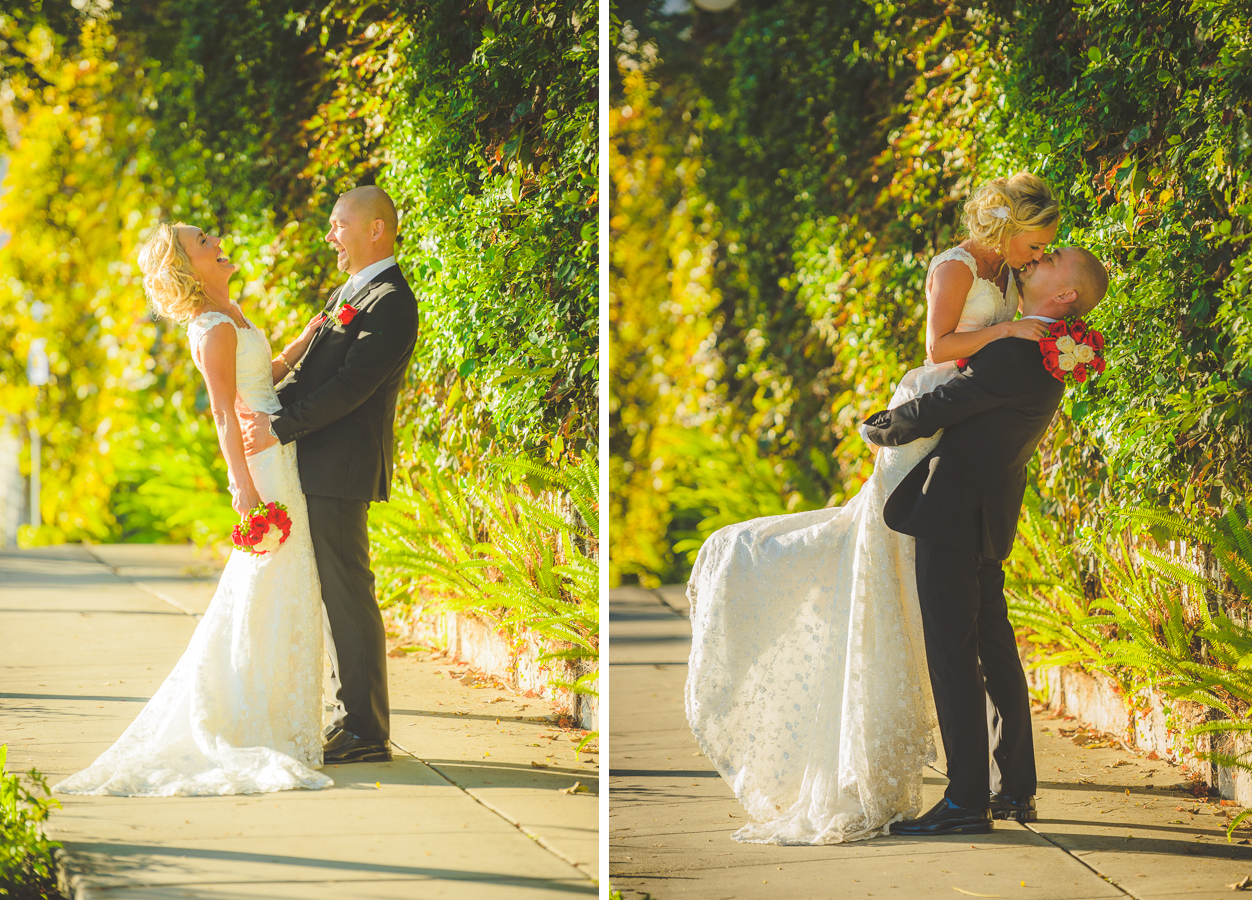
364,757
1023,816
973,828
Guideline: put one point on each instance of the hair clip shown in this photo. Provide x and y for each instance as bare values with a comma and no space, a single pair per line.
999,212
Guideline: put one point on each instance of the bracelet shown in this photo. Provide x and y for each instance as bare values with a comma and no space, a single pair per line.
283,360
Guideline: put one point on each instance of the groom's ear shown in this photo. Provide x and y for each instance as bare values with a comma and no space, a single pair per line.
1066,300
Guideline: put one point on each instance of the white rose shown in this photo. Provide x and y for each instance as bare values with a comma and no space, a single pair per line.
1065,344
1065,363
273,538
1083,353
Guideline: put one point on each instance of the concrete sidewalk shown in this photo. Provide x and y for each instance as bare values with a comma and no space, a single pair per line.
1112,824
472,806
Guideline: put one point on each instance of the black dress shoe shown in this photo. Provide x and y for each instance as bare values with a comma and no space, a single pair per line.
945,817
1022,809
346,747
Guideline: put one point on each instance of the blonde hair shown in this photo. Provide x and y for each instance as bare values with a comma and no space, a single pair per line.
169,279
1005,207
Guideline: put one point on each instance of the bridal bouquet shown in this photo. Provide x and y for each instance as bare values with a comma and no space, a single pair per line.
263,529
1070,349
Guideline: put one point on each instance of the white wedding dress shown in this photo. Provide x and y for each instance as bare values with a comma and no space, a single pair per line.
807,686
242,711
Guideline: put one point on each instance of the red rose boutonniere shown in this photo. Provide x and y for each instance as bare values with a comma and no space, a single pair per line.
1071,349
346,313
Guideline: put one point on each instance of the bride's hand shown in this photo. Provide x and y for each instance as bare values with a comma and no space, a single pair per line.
243,500
1029,329
314,322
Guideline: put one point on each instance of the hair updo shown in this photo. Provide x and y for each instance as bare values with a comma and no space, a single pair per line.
1005,207
169,279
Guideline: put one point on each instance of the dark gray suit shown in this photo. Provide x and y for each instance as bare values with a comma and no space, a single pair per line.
961,502
339,407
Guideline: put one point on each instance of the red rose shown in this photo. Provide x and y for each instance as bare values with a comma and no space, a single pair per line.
1096,340
1078,330
1080,372
1098,364
236,536
962,363
258,521
1058,329
346,314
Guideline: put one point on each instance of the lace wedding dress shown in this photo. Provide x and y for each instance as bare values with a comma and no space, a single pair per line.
807,686
242,711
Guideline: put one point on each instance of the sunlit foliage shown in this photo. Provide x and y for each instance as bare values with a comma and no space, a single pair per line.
247,118
815,156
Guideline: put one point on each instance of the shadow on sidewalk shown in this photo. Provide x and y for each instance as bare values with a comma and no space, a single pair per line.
106,861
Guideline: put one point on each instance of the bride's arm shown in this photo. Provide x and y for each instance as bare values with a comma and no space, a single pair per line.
217,362
294,352
945,300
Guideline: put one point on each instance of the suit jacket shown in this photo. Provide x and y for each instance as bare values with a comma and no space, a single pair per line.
967,492
339,405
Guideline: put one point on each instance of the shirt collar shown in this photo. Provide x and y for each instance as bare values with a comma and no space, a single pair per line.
366,275
1042,319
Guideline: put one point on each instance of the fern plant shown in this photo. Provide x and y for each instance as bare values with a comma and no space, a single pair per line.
1045,588
500,546
26,866
1156,620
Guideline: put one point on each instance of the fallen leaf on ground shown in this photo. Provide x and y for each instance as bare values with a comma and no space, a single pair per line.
1242,884
576,788
538,765
971,893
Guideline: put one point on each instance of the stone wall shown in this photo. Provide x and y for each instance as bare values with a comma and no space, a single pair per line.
516,662
1148,722
14,502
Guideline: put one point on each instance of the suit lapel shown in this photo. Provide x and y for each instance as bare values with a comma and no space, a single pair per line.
334,301
322,329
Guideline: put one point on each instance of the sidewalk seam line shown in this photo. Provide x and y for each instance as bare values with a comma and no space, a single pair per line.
483,803
674,609
1097,872
151,592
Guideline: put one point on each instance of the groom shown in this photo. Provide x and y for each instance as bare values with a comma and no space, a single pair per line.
339,406
961,502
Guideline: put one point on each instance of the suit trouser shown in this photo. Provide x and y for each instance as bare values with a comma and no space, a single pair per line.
972,656
355,638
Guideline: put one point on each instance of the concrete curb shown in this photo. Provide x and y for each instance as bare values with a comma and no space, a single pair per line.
516,662
1147,721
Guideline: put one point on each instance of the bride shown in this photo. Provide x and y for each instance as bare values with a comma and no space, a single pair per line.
807,686
242,710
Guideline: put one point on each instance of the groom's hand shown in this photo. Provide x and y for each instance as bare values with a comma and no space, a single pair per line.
877,420
256,430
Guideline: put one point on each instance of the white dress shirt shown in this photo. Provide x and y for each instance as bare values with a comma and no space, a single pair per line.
364,277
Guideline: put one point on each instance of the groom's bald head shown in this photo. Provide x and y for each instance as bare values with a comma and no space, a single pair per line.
362,228
372,203
1069,281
